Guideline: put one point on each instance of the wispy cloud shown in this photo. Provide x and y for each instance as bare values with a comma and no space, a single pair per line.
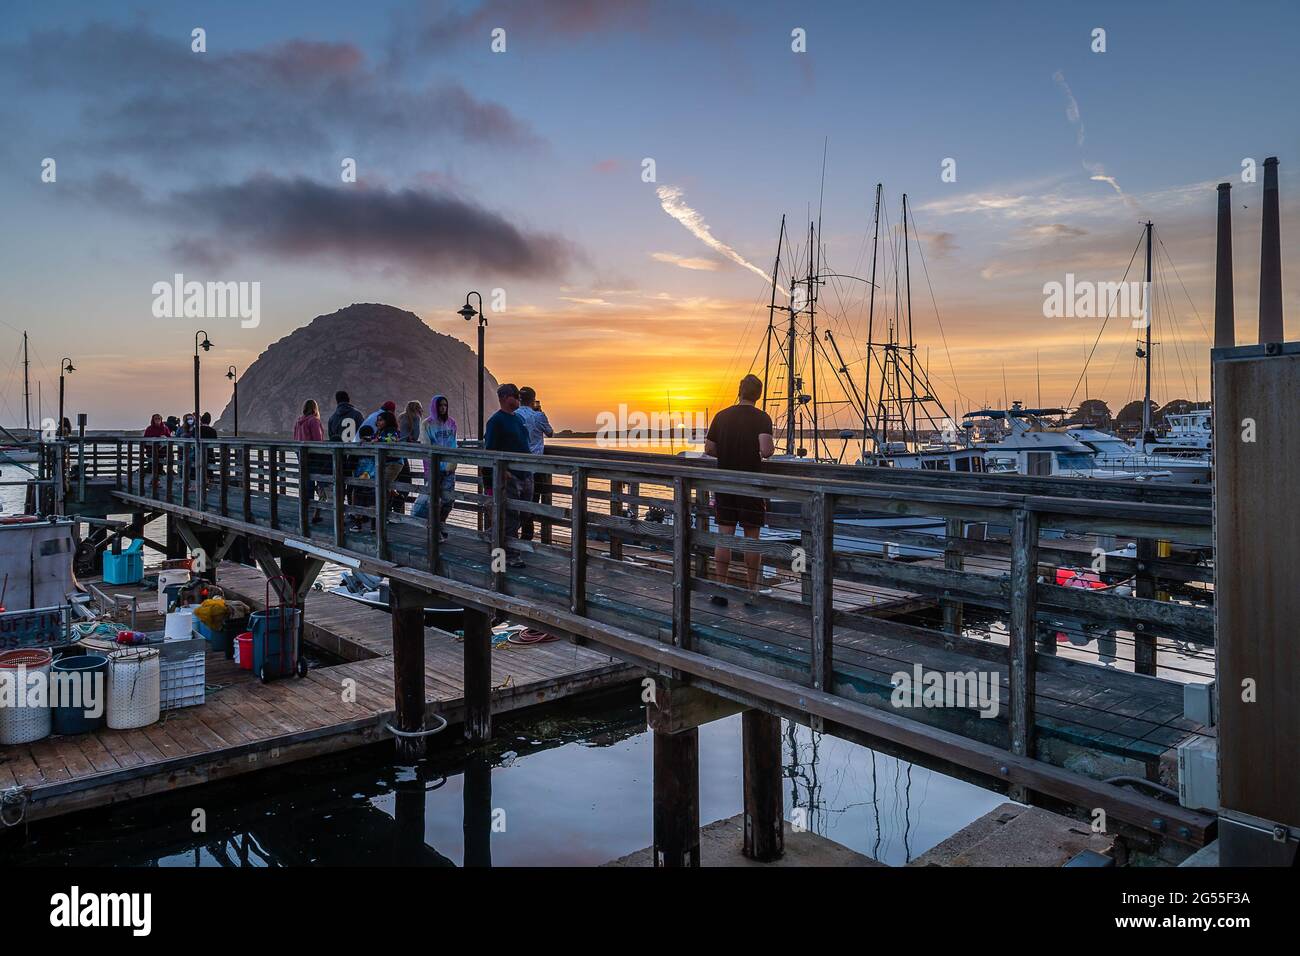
670,197
686,262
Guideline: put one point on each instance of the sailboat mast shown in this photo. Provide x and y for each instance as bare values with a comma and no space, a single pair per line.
871,321
813,267
911,345
27,389
791,380
771,315
1146,320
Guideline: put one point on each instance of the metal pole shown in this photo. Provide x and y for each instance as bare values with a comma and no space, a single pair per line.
481,337
1147,320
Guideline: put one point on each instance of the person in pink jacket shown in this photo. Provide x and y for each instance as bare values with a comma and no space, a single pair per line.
308,427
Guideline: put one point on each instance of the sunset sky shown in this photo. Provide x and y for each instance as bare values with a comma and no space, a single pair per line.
522,170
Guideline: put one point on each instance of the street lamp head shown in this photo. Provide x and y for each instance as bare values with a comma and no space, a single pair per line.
206,344
467,312
68,366
230,373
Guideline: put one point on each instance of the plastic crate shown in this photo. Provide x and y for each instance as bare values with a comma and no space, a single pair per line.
183,679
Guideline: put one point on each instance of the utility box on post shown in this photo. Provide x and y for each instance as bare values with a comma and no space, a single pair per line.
1257,601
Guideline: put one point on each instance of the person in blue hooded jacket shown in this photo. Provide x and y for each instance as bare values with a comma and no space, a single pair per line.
439,430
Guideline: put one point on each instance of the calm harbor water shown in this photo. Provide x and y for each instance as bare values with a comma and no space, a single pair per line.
569,788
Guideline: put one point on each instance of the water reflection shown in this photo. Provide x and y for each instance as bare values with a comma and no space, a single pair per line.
572,788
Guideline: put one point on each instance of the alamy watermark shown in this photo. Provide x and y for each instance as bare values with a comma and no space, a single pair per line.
1084,299
974,689
38,689
624,427
208,300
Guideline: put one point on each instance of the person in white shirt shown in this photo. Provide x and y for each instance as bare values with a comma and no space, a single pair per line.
539,429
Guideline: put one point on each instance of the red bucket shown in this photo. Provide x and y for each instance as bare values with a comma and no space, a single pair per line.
244,650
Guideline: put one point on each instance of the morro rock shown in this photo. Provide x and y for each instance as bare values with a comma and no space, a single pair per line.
374,352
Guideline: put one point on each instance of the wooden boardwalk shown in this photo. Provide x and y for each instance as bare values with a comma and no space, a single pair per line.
626,569
1131,717
245,725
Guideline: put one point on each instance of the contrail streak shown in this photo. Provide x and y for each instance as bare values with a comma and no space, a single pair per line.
1071,107
670,197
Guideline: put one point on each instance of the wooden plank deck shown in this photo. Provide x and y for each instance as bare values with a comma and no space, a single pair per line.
1117,713
245,725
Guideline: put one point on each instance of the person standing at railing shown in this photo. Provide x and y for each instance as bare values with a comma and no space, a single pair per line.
344,412
307,428
740,437
506,431
156,428
344,426
539,429
439,430
408,430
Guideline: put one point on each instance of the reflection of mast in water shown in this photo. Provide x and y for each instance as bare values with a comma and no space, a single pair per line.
796,773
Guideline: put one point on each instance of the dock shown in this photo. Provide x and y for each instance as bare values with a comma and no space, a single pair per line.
621,570
245,725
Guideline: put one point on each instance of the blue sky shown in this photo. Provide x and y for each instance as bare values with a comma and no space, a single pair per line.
157,147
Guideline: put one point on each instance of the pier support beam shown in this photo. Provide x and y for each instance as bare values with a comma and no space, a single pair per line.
407,607
764,820
954,531
478,676
677,798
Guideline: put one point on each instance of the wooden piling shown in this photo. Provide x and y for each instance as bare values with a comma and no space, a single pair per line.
1021,673
478,676
952,561
764,818
1144,586
407,604
677,798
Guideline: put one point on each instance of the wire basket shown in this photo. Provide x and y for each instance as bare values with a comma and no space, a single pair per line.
20,723
134,688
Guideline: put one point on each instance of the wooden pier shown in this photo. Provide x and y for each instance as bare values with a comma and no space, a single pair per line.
245,725
622,567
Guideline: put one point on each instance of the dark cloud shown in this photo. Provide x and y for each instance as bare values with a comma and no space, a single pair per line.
418,232
140,92
534,22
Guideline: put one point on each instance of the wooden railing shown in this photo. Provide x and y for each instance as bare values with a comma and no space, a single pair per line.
639,531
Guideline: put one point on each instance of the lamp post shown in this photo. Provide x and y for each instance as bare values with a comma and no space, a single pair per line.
233,375
64,366
467,312
206,345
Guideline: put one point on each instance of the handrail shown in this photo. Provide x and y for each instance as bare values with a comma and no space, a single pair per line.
1177,517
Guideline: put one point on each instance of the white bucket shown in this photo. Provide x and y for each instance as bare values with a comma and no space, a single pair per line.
167,578
180,625
134,688
19,723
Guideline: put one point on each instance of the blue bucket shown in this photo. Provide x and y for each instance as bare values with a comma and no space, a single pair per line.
88,674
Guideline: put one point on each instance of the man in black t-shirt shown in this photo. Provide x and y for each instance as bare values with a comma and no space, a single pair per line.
740,437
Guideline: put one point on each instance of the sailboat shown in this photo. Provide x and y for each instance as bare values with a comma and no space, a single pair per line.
895,416
14,450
